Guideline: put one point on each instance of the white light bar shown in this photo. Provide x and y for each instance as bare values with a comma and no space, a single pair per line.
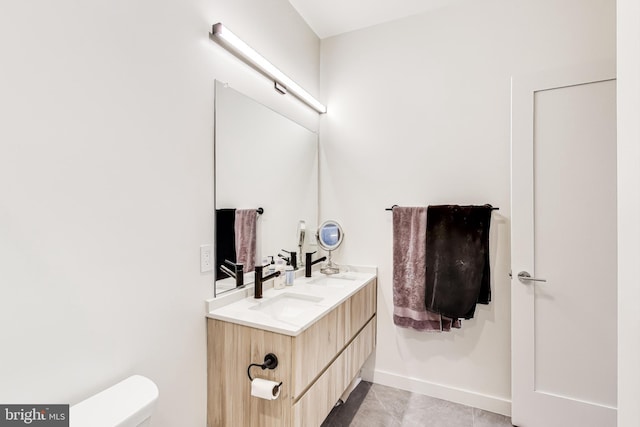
240,48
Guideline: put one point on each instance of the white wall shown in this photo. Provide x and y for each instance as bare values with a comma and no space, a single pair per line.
106,183
419,114
628,212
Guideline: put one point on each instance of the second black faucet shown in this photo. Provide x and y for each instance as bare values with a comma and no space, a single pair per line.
257,284
308,263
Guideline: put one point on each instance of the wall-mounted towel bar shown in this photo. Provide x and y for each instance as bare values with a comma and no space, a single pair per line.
391,208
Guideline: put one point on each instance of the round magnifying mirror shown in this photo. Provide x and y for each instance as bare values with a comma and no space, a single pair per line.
329,237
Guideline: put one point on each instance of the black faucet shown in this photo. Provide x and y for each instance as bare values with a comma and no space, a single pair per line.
257,284
237,272
308,263
292,259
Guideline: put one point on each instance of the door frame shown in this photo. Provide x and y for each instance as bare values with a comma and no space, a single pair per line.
523,89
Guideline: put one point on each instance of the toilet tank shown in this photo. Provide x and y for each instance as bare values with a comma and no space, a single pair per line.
129,403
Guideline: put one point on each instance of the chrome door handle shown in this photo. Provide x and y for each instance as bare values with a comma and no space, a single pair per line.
523,275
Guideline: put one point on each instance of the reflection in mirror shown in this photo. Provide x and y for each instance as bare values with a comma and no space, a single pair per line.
236,242
329,238
301,233
262,160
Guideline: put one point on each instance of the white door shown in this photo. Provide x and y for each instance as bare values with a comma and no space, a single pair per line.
563,230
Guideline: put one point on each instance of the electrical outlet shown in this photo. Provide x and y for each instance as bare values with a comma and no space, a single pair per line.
206,258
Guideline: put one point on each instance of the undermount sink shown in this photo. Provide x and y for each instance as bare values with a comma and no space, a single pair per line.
335,281
287,307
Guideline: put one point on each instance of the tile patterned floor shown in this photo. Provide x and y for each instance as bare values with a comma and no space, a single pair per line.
374,405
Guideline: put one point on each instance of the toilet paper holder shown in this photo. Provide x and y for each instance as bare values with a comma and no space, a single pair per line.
270,362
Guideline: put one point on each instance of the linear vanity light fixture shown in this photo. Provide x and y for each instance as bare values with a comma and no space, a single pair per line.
283,83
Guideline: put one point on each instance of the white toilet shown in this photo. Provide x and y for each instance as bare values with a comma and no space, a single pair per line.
129,403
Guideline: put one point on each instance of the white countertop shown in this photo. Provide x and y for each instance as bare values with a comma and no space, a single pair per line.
293,309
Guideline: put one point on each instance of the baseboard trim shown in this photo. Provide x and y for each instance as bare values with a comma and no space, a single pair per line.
482,401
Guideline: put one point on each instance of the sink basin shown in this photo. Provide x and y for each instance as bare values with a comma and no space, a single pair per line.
335,281
288,307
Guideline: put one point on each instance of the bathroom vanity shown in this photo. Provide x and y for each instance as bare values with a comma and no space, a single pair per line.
322,330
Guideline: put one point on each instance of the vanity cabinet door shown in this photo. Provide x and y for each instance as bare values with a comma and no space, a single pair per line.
231,349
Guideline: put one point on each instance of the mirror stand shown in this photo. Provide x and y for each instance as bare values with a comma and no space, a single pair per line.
330,267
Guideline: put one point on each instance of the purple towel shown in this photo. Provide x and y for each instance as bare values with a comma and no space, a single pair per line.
245,230
409,271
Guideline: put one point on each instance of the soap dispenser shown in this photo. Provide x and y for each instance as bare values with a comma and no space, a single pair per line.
278,282
289,275
269,265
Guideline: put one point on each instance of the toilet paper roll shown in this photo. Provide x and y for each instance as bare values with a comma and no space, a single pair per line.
265,389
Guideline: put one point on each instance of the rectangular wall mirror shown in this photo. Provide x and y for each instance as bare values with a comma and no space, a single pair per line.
262,160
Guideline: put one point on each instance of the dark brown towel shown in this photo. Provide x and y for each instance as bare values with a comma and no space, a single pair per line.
245,229
225,239
409,236
457,259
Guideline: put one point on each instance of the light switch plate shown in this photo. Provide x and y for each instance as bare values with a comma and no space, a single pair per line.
206,258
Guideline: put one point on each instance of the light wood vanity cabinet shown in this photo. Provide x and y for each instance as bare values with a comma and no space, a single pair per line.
315,367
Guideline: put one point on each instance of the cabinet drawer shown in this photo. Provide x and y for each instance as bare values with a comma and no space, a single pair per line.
359,309
314,406
316,347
